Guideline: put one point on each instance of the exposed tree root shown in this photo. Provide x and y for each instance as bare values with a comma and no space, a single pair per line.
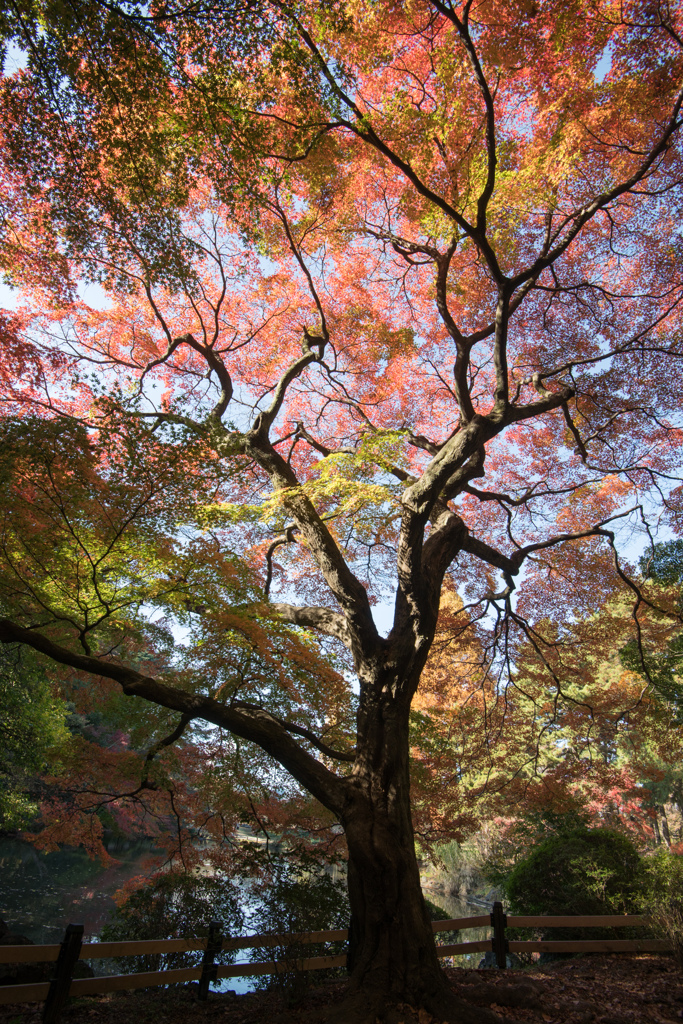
355,1008
522,994
451,1009
444,1005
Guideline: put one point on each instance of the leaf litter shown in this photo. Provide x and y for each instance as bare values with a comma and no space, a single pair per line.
592,989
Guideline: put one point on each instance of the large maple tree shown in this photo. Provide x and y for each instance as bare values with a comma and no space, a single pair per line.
398,286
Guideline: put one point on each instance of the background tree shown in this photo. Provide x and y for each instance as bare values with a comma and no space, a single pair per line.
353,261
294,896
32,730
83,528
483,754
662,661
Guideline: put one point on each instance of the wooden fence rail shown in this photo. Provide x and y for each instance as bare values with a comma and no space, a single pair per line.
63,985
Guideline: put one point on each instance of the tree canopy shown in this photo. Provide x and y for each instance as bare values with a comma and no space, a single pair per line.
325,307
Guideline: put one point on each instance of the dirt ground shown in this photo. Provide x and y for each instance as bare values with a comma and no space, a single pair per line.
617,989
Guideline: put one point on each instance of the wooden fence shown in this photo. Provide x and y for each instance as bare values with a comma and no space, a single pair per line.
63,985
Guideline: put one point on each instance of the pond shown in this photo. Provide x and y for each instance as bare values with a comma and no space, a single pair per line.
455,907
41,893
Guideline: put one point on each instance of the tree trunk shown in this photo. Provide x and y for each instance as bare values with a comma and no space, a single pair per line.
658,835
392,951
665,823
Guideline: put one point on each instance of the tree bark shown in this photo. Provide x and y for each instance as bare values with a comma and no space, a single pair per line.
392,951
660,812
393,963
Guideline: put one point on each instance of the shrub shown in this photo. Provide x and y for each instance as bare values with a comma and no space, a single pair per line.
662,888
174,905
577,872
587,871
662,878
667,921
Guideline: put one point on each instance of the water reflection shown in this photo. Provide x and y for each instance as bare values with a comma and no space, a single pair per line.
455,906
40,893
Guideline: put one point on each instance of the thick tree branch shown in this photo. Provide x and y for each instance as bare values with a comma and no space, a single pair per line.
285,538
346,588
249,723
166,741
461,367
420,441
511,564
265,419
465,443
462,27
323,619
396,471
442,545
551,400
473,468
318,445
500,359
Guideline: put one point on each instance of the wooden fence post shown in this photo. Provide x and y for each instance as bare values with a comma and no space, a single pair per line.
499,942
214,944
61,982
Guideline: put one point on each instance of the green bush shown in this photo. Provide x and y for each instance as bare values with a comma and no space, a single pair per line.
662,878
527,833
663,898
577,872
295,898
587,871
174,905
